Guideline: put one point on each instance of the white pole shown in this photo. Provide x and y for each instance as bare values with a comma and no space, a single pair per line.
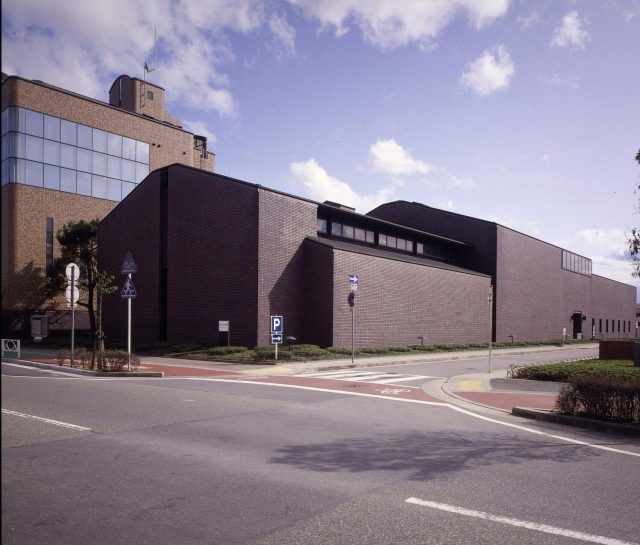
129,329
490,323
353,343
73,311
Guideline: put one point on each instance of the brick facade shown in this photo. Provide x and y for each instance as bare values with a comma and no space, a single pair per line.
397,302
25,208
284,222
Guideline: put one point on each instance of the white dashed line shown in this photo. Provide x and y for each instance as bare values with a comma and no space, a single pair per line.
47,420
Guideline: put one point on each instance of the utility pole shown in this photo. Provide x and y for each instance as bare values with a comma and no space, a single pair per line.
490,299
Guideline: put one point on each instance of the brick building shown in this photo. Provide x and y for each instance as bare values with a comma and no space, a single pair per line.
68,157
210,248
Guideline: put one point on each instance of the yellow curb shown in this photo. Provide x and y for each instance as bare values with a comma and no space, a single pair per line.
468,386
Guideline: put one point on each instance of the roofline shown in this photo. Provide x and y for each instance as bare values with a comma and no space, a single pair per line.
617,281
95,101
396,257
397,225
136,79
484,221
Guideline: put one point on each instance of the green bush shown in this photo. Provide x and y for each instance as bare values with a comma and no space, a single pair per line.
604,398
563,371
340,350
63,356
117,360
225,350
82,357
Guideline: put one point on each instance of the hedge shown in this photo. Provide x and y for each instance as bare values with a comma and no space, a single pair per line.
611,399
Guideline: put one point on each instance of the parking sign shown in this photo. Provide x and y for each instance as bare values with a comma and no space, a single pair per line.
277,324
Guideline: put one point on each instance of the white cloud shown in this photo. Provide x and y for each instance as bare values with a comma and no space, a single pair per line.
389,24
528,21
84,45
389,157
490,72
321,186
447,205
545,158
570,33
557,80
200,128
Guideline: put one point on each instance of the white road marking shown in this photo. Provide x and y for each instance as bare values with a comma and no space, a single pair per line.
372,377
50,371
519,523
47,420
397,379
419,402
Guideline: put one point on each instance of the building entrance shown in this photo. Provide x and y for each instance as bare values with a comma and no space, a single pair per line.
577,324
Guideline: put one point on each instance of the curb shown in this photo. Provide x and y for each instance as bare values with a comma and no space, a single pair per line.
578,421
84,372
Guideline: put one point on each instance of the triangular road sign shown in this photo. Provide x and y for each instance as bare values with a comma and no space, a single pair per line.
128,265
128,290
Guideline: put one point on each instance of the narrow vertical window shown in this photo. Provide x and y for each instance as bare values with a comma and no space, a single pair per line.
49,243
600,326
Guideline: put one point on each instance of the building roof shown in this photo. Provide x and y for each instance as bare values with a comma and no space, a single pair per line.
388,254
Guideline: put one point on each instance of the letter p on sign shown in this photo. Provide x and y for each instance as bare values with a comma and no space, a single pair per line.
276,324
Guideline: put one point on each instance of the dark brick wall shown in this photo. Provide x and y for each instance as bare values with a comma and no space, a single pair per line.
284,222
212,257
476,232
616,350
133,226
613,301
396,302
318,299
530,294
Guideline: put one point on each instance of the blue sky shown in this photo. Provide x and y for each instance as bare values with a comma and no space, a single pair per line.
520,112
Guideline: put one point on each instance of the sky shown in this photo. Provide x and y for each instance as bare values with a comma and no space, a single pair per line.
526,113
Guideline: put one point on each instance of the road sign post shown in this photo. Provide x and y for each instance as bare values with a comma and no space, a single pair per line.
490,299
128,292
73,274
277,330
353,287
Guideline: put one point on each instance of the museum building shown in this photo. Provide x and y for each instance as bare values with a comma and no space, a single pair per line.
69,157
213,250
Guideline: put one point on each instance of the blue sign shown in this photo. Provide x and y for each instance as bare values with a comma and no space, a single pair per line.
128,290
128,265
353,279
276,338
277,324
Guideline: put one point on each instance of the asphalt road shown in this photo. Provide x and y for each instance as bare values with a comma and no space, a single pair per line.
180,461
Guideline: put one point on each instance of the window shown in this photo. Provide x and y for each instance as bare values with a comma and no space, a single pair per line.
99,187
127,188
382,240
347,231
52,152
114,145
83,181
606,326
84,159
68,180
114,167
370,237
576,263
68,132
51,177
34,148
49,242
142,152
336,229
359,234
85,137
99,141
322,225
34,123
114,189
34,173
52,128
150,95
618,326
128,148
600,327
141,172
128,171
99,165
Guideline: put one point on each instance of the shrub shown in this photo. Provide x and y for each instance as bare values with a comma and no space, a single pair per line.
613,399
82,357
63,356
117,360
225,350
343,351
563,371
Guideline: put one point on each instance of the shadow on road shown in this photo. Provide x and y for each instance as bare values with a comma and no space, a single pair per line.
425,455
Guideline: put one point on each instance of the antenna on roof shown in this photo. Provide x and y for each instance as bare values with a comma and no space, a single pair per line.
146,66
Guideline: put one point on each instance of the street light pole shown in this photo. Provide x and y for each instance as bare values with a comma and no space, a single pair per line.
490,299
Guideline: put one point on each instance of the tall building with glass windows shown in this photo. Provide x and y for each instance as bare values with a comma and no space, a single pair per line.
69,157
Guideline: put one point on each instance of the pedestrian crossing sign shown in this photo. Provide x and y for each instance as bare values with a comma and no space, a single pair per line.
128,290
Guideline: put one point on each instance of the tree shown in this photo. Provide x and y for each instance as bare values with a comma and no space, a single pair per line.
104,286
634,239
78,244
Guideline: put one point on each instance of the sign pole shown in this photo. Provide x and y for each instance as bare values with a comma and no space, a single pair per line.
276,345
490,322
73,312
353,344
129,330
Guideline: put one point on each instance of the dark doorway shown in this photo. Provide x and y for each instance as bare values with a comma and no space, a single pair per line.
577,324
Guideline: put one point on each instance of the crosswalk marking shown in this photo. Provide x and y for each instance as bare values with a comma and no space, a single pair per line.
372,377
